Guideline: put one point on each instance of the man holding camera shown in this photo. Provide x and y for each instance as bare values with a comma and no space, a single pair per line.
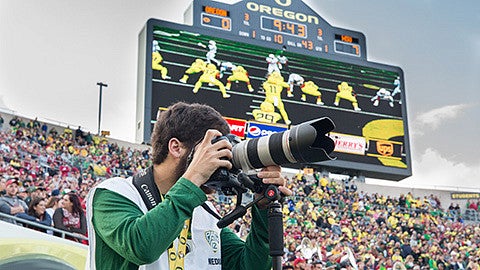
159,219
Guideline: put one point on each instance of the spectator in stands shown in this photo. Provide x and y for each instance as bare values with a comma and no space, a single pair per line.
88,138
457,208
33,124
1,122
14,122
473,205
472,263
128,235
68,131
52,169
64,169
3,183
41,191
71,217
22,193
37,213
53,132
79,134
44,128
300,264
31,193
10,203
53,203
451,207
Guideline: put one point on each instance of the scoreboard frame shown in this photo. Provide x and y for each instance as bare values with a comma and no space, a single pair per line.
346,163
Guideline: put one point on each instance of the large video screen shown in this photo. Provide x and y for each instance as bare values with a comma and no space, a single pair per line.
261,89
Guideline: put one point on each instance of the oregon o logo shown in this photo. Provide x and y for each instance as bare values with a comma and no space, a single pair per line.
285,3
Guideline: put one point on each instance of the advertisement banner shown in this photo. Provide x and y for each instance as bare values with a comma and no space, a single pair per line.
350,144
256,130
237,126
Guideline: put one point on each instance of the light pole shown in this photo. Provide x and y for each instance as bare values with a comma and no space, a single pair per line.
101,84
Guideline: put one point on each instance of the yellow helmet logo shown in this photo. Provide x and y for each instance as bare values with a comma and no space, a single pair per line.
385,148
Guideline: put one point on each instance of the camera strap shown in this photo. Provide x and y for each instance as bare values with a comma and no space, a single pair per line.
148,190
146,187
151,196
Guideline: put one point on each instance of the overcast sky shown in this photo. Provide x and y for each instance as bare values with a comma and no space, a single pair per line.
53,52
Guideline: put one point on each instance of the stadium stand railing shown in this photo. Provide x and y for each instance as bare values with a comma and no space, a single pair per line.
22,222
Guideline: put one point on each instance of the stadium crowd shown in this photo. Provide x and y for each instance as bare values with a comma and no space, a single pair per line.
46,174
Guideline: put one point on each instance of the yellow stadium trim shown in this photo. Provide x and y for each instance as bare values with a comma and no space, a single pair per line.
21,247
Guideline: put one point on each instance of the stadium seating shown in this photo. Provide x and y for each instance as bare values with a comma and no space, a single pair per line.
324,220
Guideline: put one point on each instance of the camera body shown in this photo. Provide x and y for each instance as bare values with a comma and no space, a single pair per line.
223,179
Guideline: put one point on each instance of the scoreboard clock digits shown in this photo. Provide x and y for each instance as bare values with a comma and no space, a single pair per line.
284,27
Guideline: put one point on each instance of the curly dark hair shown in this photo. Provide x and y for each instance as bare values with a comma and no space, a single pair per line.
186,122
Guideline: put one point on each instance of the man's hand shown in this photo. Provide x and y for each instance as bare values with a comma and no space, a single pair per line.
209,157
16,209
272,175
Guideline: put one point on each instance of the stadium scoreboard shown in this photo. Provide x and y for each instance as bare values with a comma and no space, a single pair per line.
283,22
267,65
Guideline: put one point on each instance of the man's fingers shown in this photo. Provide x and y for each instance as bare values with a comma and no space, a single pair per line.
224,154
285,191
225,163
211,134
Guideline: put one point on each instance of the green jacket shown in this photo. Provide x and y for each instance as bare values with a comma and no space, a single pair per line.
126,237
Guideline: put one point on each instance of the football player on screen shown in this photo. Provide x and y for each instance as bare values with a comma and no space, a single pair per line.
308,88
382,94
210,76
226,67
157,59
346,92
156,46
397,89
196,67
294,80
282,59
266,113
239,74
273,93
273,64
212,52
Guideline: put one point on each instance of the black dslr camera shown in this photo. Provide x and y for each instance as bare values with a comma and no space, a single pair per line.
303,143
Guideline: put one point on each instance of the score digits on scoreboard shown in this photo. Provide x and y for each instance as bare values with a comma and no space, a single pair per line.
345,44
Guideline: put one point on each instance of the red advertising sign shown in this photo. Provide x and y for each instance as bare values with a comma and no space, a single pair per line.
237,126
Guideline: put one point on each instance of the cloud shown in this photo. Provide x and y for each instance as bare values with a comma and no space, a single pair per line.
432,171
432,119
